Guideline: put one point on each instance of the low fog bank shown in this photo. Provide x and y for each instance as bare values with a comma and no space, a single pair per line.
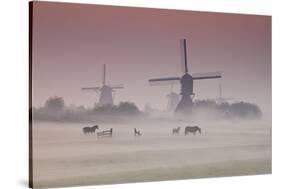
207,111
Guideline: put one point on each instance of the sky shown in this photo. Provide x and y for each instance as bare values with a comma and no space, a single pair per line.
71,42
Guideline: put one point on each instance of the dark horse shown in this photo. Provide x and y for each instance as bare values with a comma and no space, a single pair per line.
176,131
137,133
192,129
90,130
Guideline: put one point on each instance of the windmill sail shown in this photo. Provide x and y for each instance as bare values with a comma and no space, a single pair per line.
183,48
91,88
209,75
164,81
117,86
104,72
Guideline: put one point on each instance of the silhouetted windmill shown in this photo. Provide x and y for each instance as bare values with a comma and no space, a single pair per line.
105,91
186,81
222,99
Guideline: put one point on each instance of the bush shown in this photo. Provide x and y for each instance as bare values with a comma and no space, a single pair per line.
225,110
54,104
122,108
245,110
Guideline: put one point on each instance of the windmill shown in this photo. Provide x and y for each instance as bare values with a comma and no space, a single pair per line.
173,100
105,91
185,104
221,99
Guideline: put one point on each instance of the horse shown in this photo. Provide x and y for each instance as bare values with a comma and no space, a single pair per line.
192,129
137,133
176,131
90,130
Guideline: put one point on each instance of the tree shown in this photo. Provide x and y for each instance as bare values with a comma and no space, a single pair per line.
210,104
128,108
245,110
54,104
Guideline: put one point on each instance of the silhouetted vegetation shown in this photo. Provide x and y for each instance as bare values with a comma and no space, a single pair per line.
245,110
236,110
54,104
54,109
123,108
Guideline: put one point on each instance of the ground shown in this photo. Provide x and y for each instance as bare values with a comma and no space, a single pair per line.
64,156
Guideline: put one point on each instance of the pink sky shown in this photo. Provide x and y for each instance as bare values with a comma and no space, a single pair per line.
72,41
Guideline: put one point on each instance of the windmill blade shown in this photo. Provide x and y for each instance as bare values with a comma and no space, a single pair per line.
91,88
164,81
120,86
104,75
183,48
209,75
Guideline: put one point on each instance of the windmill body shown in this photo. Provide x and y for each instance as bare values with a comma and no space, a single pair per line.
105,96
185,104
186,81
173,100
105,91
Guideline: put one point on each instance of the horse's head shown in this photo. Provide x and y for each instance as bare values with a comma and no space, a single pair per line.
97,126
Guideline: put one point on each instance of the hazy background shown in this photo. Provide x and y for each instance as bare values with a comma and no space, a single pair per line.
72,41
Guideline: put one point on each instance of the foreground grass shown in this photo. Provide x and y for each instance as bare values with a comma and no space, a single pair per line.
219,169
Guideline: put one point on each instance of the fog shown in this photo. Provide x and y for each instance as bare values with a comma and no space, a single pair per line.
70,44
64,156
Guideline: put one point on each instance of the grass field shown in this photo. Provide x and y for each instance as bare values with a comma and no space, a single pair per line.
64,156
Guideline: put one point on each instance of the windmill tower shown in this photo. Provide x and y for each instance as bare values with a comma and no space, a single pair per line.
105,91
185,104
173,100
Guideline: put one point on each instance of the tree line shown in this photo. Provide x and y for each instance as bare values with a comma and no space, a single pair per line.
55,109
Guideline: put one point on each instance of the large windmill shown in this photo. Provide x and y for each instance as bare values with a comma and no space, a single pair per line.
105,91
185,104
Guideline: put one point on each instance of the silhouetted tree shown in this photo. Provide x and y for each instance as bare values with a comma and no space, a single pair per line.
54,104
225,110
122,108
205,104
245,110
128,108
105,109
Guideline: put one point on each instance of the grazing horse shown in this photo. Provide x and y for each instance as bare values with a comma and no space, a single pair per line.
90,130
137,133
192,129
176,131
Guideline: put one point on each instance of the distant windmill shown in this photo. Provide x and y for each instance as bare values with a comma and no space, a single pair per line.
186,81
221,99
105,91
173,100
